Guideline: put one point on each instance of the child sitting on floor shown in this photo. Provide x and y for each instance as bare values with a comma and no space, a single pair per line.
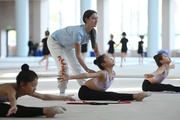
153,81
26,83
95,88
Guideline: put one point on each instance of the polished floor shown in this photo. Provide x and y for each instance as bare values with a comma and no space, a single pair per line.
159,106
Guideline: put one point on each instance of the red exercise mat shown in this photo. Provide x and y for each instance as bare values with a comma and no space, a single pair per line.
98,103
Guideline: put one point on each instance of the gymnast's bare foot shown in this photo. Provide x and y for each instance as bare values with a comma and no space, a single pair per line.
52,111
141,96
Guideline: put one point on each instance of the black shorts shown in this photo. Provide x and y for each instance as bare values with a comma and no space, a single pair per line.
84,48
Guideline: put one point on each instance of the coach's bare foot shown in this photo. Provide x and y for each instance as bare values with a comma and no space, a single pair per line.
141,96
52,111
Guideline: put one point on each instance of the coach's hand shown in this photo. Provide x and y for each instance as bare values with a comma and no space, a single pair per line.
90,71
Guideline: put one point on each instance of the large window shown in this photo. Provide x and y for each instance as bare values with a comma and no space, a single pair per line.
54,15
63,14
177,24
128,16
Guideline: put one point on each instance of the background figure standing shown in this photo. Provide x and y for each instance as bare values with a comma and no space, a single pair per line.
45,50
30,45
111,46
65,47
124,49
84,51
140,50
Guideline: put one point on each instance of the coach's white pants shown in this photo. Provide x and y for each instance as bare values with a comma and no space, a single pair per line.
69,57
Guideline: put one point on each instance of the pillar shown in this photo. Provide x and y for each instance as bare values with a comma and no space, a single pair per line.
168,25
85,5
3,44
22,27
153,27
40,20
103,25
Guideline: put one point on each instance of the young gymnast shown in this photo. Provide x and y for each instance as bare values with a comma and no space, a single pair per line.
111,46
45,49
140,50
95,88
26,83
153,81
124,48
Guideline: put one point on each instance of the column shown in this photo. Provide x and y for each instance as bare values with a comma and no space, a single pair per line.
22,27
103,24
85,5
168,25
40,19
153,29
44,20
3,44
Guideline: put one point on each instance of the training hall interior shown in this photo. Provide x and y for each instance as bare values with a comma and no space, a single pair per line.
22,21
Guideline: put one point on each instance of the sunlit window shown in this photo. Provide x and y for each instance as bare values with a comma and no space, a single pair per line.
63,14
128,16
177,25
54,15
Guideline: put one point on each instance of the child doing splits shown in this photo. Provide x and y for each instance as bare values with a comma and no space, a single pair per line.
26,83
95,88
153,81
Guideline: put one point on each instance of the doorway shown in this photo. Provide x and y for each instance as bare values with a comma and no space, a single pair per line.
11,42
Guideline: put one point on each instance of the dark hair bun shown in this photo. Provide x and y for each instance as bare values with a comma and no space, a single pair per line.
95,61
25,67
154,56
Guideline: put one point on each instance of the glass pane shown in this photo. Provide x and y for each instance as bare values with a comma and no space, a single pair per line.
54,15
128,16
177,25
12,42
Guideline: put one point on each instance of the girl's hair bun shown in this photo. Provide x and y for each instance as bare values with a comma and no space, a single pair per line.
25,67
95,61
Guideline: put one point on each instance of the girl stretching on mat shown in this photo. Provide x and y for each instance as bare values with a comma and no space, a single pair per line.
26,83
95,88
153,80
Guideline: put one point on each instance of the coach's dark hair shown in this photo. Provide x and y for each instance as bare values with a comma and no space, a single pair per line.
98,61
25,75
87,14
157,59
